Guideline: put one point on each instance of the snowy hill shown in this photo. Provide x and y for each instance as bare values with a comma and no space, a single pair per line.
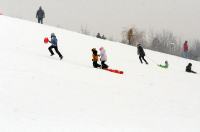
39,93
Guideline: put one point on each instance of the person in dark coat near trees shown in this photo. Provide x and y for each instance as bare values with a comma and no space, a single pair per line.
103,37
141,53
54,45
189,68
40,15
98,35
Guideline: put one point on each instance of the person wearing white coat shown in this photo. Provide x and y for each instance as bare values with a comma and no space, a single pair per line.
103,58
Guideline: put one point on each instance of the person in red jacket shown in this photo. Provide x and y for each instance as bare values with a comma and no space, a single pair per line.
185,49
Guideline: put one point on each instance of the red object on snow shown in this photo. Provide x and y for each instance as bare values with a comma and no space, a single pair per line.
115,71
121,72
46,40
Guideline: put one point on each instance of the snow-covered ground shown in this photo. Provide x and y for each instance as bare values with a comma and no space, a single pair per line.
39,93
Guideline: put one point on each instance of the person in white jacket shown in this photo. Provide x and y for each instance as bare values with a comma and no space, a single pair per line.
103,58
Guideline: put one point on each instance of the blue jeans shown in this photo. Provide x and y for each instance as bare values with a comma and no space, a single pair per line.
185,54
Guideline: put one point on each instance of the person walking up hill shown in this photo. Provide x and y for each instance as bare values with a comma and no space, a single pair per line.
141,53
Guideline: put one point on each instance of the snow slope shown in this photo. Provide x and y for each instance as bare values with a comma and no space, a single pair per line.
39,93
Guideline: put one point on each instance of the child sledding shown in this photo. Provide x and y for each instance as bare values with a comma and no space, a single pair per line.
166,65
103,59
95,58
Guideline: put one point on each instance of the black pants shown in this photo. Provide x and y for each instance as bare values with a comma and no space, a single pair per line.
56,49
95,64
40,20
103,65
190,71
142,58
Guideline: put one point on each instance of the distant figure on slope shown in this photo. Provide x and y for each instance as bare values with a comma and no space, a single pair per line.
189,68
141,53
164,66
98,35
103,58
95,58
54,45
40,15
103,37
185,49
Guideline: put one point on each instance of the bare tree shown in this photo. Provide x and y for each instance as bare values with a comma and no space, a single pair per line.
194,51
164,41
132,36
84,30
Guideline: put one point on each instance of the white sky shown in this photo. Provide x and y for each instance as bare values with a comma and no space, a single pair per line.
111,16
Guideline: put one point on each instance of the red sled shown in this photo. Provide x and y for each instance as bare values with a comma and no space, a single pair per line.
46,40
114,71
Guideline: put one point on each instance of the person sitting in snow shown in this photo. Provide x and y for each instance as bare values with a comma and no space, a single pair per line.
98,35
141,53
189,68
54,45
103,37
103,58
95,58
185,49
164,66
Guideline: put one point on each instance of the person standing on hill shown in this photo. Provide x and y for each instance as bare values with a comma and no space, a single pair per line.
103,58
54,45
185,49
141,53
40,15
95,58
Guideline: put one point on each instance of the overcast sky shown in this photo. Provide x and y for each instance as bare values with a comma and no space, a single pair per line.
111,16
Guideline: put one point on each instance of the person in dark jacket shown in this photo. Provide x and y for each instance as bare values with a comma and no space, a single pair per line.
40,15
141,53
189,68
54,45
103,37
98,35
95,58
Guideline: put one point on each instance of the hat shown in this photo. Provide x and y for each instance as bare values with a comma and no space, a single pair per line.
93,49
101,48
53,34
